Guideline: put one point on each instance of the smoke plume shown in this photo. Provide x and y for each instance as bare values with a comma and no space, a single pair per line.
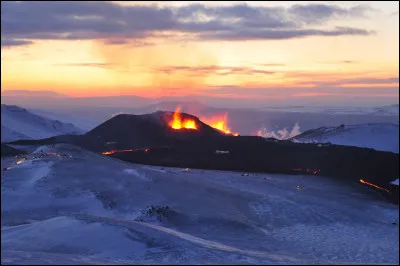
280,134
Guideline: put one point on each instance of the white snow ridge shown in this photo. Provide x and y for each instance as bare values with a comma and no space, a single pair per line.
18,123
380,136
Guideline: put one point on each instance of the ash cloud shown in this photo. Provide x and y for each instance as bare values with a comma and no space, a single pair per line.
9,42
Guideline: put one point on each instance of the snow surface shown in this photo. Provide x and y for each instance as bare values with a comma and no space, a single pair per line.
86,209
395,182
18,123
380,136
388,110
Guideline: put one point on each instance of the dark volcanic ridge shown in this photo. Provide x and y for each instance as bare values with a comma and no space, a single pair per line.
154,142
10,151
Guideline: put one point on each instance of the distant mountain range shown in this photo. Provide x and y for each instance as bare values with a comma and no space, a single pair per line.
18,123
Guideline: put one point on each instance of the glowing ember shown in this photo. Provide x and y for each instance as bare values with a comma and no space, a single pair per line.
130,150
220,123
177,122
373,185
190,124
114,151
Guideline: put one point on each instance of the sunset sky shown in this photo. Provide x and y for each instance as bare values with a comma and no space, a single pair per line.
321,49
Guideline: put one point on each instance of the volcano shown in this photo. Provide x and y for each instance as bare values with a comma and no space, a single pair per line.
126,131
157,139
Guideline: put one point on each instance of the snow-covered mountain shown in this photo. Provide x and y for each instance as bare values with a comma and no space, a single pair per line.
382,137
18,123
388,110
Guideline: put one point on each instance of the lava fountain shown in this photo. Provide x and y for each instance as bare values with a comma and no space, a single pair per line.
179,123
220,123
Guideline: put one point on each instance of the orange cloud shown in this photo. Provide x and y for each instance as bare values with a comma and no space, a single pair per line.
141,63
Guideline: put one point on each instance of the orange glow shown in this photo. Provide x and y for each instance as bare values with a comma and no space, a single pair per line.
373,185
178,123
114,151
220,123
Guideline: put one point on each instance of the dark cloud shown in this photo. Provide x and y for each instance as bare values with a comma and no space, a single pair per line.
81,20
126,42
213,70
116,42
13,42
23,21
281,34
240,14
319,13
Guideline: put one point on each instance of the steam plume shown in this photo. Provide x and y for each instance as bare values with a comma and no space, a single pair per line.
279,134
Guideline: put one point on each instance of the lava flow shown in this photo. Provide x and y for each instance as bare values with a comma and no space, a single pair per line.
220,123
373,185
179,123
114,151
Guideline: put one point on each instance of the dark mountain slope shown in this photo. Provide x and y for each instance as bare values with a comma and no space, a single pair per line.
9,151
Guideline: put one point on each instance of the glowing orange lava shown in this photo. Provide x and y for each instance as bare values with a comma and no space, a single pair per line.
220,123
114,151
178,123
373,185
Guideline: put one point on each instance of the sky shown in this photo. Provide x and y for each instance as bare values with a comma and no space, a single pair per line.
322,51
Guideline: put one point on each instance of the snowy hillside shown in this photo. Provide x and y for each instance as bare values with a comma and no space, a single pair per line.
109,211
388,110
18,123
382,137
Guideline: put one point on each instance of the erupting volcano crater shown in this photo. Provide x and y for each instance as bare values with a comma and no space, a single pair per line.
180,121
